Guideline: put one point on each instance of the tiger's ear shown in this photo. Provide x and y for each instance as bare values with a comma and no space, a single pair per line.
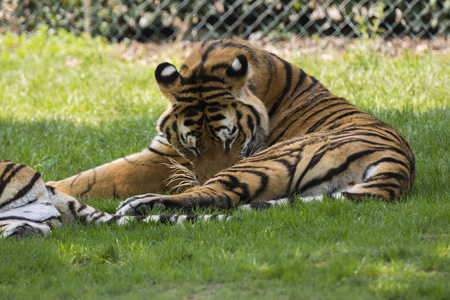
239,67
237,73
168,79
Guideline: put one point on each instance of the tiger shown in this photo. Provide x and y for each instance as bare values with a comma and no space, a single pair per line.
30,207
244,128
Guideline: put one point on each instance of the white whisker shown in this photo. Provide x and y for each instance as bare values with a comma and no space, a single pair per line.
184,176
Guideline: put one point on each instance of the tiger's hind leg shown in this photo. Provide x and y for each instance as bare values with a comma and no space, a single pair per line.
29,207
25,208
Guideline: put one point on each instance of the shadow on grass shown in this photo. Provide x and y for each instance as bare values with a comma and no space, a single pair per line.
61,148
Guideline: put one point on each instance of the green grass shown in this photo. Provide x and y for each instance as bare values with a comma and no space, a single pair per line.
63,119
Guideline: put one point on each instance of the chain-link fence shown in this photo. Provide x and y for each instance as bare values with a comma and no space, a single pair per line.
156,20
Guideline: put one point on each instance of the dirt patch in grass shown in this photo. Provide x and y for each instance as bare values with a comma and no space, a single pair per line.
154,53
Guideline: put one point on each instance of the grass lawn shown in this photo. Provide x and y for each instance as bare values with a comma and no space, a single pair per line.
69,104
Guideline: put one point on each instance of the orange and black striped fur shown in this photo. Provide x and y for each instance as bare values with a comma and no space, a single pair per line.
29,207
244,127
230,98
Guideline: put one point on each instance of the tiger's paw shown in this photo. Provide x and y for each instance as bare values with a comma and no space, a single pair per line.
140,205
23,229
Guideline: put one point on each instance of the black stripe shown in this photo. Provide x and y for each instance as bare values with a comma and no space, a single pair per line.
115,193
221,65
71,206
98,215
356,112
250,124
312,163
389,130
386,176
217,117
272,72
165,219
200,89
300,81
219,95
334,171
240,167
167,134
140,164
162,142
323,121
372,134
250,51
322,109
389,160
232,184
287,86
91,184
290,169
188,122
27,219
186,99
251,86
162,154
357,197
50,189
82,206
208,50
382,186
264,180
8,167
255,113
24,190
218,128
4,182
163,122
213,109
192,111
311,86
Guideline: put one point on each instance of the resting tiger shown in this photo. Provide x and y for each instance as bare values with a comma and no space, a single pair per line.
245,128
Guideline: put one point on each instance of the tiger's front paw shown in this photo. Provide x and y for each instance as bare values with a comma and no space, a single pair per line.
140,205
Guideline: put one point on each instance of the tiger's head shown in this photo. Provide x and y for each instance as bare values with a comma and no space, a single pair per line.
213,119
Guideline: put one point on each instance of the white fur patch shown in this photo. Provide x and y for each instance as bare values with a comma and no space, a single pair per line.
311,198
168,71
225,133
236,65
277,202
39,211
191,141
370,172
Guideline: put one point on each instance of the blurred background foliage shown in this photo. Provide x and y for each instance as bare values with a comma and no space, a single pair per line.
175,20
